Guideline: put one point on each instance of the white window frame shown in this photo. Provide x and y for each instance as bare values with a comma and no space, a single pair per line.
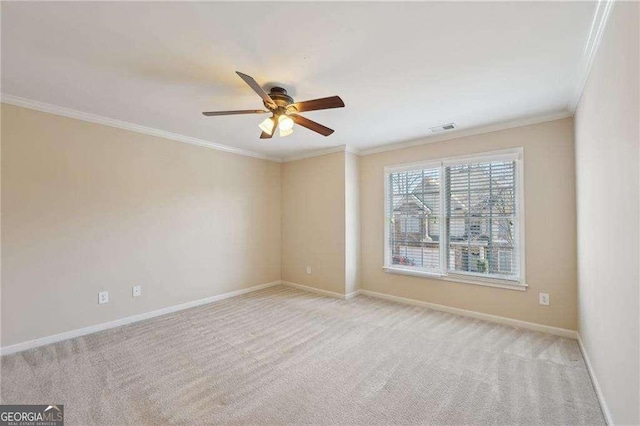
512,154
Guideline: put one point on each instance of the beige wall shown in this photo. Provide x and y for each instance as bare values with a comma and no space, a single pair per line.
87,207
607,160
313,222
352,222
549,226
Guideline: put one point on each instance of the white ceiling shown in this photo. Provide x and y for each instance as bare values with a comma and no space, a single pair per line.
400,68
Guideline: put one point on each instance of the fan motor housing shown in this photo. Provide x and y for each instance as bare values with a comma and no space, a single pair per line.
280,97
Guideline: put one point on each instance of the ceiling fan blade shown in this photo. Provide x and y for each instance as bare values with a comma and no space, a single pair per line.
243,111
256,88
311,125
316,104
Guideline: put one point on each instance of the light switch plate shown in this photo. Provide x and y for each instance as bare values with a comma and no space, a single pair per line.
137,290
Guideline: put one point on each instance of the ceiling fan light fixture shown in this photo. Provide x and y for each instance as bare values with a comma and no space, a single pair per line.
285,123
267,126
284,110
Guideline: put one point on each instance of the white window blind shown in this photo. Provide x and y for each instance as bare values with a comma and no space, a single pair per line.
456,217
414,202
482,219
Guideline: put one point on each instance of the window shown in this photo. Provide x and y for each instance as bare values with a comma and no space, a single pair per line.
457,218
414,197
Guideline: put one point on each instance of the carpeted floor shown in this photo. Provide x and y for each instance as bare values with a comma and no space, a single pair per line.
285,356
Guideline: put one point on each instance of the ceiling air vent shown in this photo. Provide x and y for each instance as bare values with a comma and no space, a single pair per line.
449,126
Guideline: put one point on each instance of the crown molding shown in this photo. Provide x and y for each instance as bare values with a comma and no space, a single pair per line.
461,133
318,153
598,25
456,134
93,118
97,119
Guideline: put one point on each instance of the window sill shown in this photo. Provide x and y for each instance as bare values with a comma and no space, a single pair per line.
464,279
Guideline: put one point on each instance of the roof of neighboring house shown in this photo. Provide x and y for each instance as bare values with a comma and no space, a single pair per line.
420,190
422,187
413,198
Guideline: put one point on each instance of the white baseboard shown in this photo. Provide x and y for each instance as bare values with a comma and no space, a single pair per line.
594,381
316,290
19,347
322,292
563,332
352,294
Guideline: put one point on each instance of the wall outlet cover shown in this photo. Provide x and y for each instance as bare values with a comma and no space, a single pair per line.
543,299
308,270
103,297
137,290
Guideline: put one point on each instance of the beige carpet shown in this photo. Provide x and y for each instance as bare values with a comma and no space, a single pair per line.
285,356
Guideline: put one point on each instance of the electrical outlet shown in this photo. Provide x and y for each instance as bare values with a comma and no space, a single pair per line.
308,270
103,297
543,298
137,290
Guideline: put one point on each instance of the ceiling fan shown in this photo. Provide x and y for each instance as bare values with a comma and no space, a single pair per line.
284,110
